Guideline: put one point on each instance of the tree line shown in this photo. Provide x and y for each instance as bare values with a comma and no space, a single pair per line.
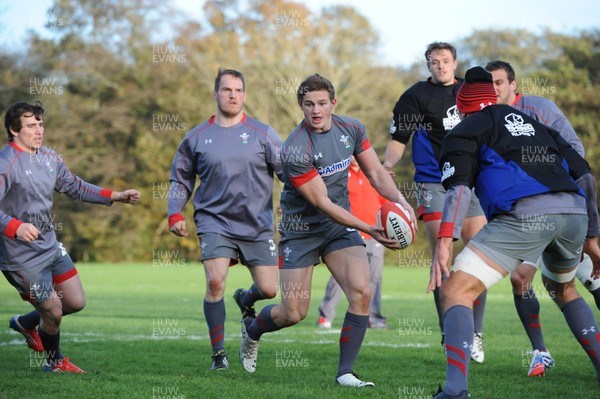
122,81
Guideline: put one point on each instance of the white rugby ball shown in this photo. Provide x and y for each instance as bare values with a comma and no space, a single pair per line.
396,223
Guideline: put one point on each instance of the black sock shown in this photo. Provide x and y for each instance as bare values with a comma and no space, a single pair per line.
51,347
30,320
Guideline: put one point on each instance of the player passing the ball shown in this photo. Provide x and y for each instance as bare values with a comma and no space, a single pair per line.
235,157
315,158
31,257
485,151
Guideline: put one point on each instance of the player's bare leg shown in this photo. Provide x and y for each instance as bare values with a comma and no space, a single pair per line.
264,287
71,295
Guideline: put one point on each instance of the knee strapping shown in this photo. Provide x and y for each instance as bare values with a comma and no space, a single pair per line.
469,262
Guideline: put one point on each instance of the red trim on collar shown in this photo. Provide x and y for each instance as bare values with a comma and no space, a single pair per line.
517,98
16,147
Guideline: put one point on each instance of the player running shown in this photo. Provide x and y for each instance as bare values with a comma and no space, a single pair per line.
235,157
31,258
315,159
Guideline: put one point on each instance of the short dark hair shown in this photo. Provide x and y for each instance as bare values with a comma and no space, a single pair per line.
12,117
439,46
314,82
231,72
495,65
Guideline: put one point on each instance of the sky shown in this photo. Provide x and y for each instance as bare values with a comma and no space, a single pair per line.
404,27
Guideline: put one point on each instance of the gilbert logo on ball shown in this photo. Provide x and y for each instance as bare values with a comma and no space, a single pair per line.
396,224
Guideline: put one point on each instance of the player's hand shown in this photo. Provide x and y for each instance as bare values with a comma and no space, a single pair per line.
590,247
377,233
439,266
413,218
179,229
27,232
130,196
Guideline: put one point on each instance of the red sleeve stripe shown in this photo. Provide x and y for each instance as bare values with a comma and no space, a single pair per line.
304,178
365,145
446,229
106,193
177,217
11,229
61,278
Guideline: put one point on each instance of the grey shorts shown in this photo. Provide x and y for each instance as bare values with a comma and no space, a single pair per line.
509,241
301,250
249,253
430,202
36,283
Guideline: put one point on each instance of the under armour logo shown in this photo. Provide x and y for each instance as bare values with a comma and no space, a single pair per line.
28,172
317,156
585,331
208,141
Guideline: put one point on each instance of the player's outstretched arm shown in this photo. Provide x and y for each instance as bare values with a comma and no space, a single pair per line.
130,196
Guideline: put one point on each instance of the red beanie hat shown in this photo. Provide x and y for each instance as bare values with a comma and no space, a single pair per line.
477,92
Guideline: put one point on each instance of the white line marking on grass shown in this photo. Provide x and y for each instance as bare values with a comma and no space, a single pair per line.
91,337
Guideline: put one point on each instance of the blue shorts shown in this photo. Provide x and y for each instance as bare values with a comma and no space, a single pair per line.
37,283
300,250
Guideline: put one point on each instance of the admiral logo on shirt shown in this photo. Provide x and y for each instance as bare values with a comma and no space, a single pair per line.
447,171
335,168
516,127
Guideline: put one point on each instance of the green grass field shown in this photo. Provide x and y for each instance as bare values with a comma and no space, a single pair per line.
143,335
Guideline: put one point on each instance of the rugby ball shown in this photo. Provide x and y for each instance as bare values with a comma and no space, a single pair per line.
396,223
